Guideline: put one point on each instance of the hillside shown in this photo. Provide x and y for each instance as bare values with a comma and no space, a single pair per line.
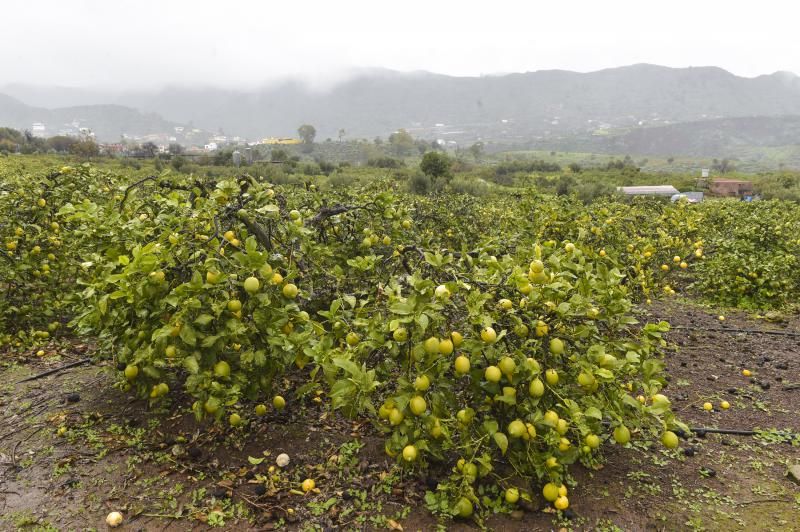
713,138
513,106
720,137
108,122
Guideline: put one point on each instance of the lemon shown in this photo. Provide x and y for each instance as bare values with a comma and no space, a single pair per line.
422,383
550,418
462,365
289,291
251,285
431,345
417,405
400,334
622,435
488,335
352,339
492,374
512,495
279,402
456,338
537,266
446,347
536,388
222,369
550,492
562,503
507,365
131,372
409,453
556,346
464,508
516,429
442,292
211,405
396,417
670,440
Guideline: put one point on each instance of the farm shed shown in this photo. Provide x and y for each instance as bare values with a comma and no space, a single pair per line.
731,187
649,190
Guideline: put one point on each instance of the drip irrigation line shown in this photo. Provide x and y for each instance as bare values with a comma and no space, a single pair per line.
701,431
56,370
727,330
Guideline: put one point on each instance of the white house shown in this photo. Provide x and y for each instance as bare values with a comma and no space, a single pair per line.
38,129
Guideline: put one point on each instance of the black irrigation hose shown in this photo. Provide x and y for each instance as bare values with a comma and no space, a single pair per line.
702,431
56,370
747,331
734,432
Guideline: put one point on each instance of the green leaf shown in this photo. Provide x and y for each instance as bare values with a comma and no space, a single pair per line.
188,335
593,413
502,441
204,319
191,365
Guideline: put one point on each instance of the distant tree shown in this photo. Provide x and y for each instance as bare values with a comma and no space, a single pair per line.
723,167
671,160
279,155
422,146
401,143
476,150
436,165
61,143
575,168
378,141
223,158
11,135
85,148
385,162
307,133
175,149
565,184
148,149
342,133
178,162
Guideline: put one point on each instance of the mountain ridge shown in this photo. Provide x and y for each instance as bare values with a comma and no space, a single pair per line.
516,106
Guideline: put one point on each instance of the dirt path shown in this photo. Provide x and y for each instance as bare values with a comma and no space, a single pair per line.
165,473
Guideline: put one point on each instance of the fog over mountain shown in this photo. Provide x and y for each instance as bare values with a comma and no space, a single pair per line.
512,107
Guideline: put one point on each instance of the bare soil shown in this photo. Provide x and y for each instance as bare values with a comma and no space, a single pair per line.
163,471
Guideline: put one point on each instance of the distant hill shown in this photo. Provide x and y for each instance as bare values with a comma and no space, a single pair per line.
108,122
377,102
709,138
713,138
659,108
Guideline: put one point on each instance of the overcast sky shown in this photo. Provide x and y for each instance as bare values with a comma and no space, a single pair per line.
143,43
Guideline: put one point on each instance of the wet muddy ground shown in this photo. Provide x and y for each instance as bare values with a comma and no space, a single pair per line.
164,472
